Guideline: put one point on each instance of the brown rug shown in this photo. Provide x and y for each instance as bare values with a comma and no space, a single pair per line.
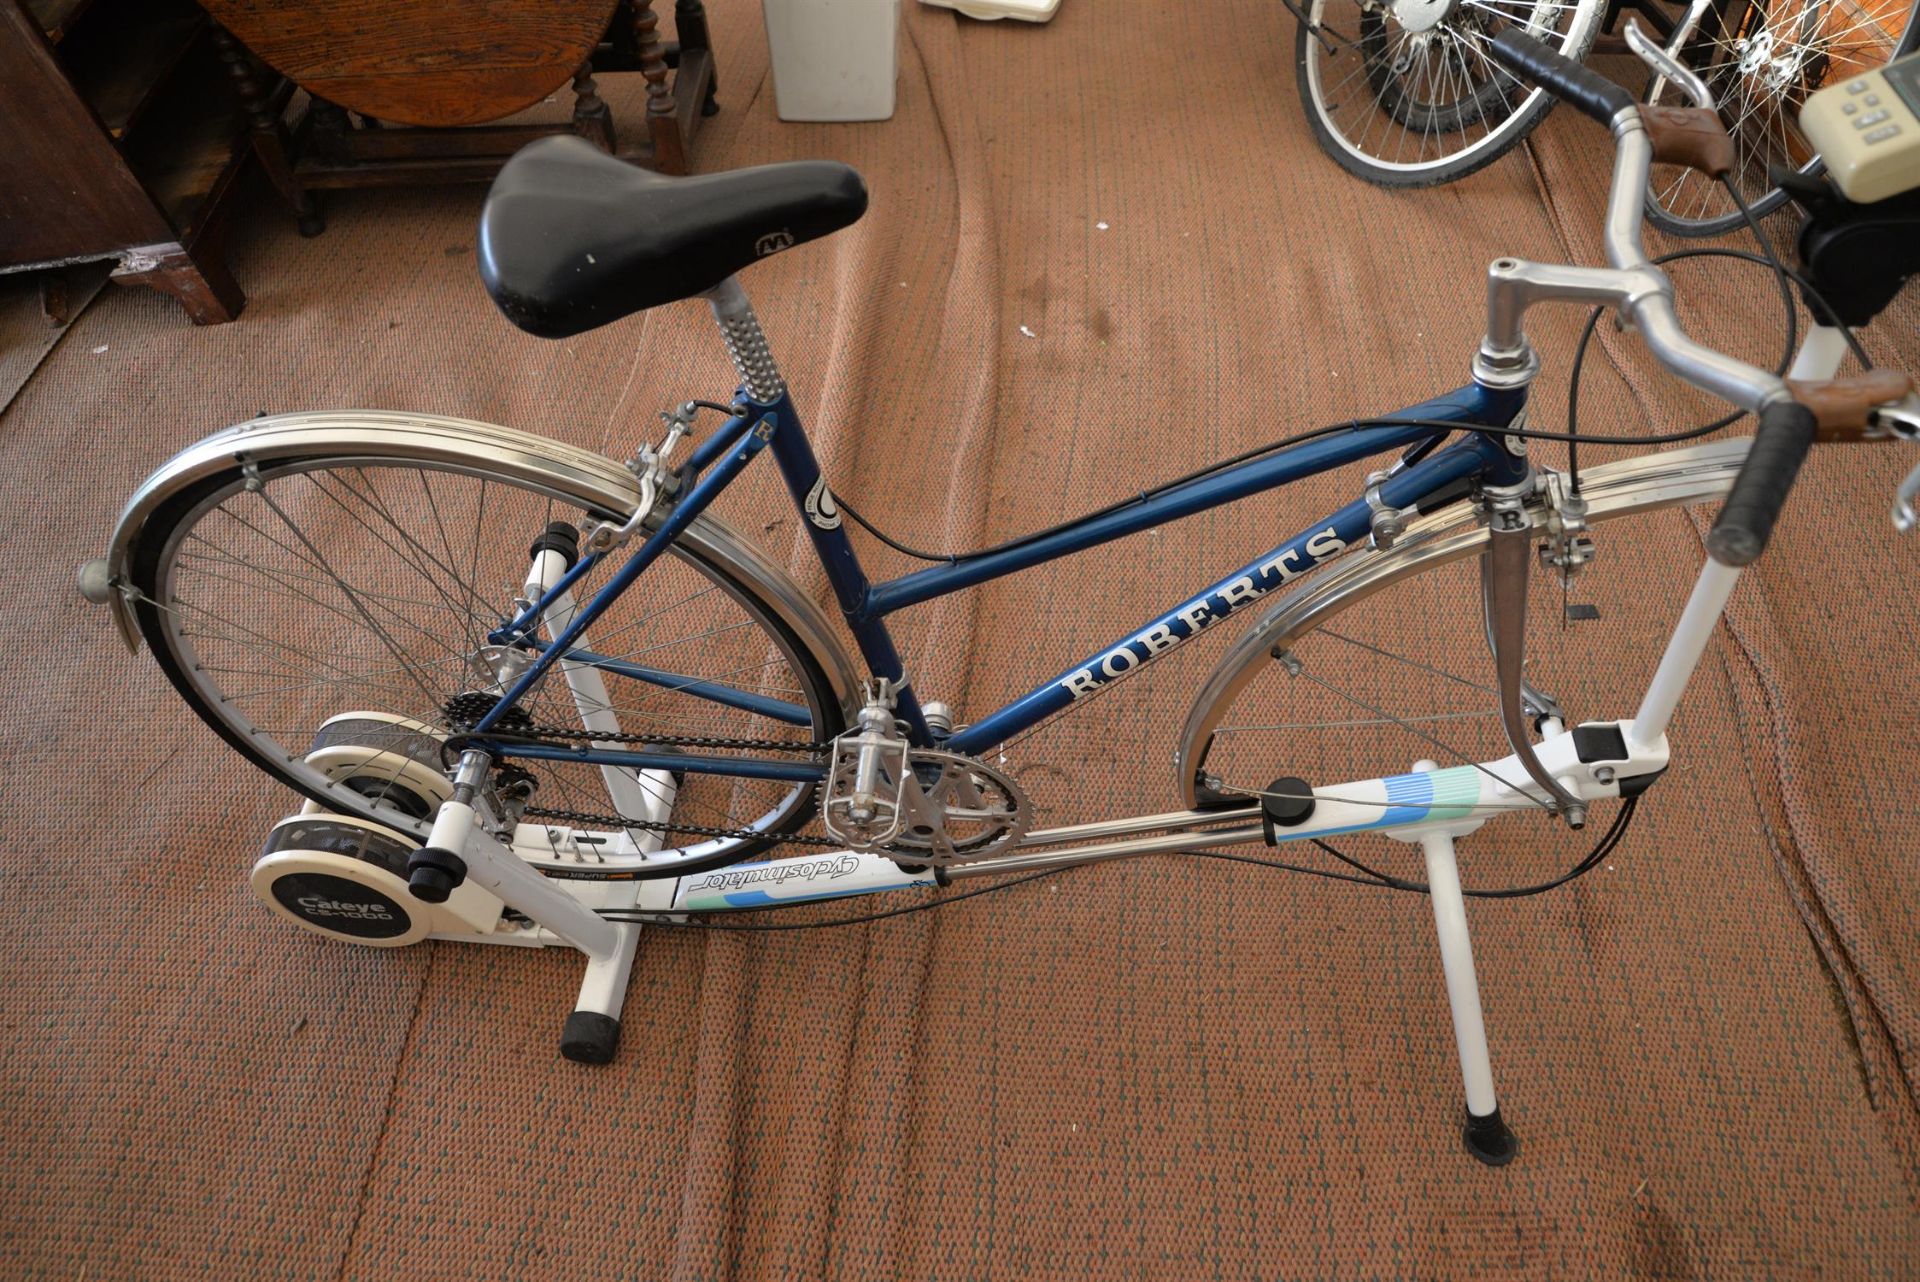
1169,1068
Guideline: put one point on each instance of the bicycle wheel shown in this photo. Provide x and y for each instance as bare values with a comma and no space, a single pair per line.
1382,662
1761,61
1404,94
345,578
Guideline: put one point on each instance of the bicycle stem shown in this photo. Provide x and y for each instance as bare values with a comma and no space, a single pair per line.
1632,283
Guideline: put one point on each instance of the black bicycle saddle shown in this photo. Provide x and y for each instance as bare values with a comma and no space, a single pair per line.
572,238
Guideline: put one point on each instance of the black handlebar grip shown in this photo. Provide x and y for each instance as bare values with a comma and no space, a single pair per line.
1578,86
1779,447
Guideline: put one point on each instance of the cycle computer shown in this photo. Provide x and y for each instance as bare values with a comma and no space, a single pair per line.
1868,130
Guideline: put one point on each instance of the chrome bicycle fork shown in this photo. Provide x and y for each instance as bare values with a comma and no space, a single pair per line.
1504,568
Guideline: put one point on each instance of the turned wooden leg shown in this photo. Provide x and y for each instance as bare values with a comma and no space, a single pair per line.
592,119
663,126
690,24
269,132
202,283
329,130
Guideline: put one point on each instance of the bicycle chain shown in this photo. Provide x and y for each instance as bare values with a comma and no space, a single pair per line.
588,818
586,738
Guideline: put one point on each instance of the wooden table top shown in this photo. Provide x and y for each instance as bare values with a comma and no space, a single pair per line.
421,62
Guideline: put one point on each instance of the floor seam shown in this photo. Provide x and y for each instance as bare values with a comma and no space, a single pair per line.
386,1116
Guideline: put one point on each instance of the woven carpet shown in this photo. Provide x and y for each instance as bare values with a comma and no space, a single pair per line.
26,335
1099,252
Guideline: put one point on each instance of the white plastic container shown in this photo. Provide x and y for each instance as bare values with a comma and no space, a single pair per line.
833,59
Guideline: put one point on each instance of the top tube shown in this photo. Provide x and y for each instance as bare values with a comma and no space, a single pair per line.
1472,406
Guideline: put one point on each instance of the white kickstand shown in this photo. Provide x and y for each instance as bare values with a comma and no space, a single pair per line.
1488,1137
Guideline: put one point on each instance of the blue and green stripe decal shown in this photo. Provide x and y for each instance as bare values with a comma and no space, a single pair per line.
1438,794
1421,798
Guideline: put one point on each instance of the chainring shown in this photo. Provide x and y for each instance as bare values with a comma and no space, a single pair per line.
961,810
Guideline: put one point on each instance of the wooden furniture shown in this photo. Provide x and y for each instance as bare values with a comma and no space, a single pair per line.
403,93
125,140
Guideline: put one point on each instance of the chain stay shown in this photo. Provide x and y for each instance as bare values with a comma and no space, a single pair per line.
584,818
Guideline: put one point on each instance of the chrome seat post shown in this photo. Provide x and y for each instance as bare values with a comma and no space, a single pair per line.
746,341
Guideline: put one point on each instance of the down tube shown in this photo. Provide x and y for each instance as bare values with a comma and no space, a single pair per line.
1243,587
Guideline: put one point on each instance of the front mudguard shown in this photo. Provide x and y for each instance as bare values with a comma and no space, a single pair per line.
1673,478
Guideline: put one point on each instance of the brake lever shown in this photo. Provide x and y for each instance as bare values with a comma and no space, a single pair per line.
1902,419
1666,66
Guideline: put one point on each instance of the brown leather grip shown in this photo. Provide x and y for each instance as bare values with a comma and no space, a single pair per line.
1690,136
1840,405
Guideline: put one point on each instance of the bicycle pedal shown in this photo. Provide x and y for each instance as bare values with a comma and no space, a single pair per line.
866,800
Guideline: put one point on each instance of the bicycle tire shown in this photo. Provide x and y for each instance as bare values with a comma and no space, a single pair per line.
1397,99
159,567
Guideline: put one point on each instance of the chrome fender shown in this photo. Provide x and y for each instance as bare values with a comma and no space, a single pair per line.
1672,478
568,473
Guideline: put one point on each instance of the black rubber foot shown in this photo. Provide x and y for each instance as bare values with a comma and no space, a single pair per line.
1490,1139
311,226
709,108
590,1037
433,873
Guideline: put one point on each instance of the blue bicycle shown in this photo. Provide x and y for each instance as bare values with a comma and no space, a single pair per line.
533,693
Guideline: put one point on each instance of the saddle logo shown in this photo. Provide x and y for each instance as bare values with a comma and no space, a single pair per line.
772,243
821,509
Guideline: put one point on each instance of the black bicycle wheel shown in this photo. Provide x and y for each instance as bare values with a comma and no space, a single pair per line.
1405,94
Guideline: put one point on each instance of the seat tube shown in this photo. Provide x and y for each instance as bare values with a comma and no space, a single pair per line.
760,377
825,526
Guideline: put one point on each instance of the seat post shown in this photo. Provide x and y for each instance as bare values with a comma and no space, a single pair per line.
746,343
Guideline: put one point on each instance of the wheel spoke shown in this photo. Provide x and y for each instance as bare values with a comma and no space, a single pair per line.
370,588
1760,72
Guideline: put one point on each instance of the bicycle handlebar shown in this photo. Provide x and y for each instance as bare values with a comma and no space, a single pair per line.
1574,83
1780,446
1645,296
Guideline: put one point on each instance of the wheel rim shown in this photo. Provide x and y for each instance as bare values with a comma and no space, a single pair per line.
1402,678
1405,90
1435,561
350,584
1761,64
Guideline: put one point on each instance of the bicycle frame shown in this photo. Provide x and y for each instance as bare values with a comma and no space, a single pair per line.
1481,455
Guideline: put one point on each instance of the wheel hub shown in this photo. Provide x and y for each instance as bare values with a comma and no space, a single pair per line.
1755,53
1423,15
